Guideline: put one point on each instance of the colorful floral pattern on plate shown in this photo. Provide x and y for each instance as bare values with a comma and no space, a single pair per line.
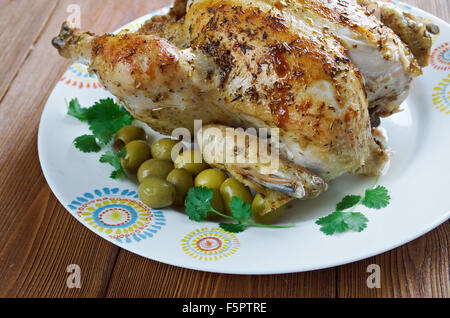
440,58
441,96
78,76
210,244
118,214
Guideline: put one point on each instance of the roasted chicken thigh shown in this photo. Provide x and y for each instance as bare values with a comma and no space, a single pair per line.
321,71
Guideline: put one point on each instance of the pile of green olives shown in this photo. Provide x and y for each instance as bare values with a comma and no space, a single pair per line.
165,181
172,178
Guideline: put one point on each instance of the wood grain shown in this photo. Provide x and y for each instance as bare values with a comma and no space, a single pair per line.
167,281
39,239
417,269
16,43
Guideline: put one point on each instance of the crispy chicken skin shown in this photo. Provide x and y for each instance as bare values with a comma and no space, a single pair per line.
387,63
320,71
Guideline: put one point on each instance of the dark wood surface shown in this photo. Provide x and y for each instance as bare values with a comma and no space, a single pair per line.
39,239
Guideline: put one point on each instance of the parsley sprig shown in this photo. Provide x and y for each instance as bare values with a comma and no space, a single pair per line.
340,221
105,118
377,198
198,205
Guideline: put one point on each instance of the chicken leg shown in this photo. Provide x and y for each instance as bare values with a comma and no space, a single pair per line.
159,84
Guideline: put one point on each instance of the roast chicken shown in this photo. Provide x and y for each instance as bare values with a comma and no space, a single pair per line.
323,72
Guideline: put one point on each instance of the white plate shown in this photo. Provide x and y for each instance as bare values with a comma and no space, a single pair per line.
418,181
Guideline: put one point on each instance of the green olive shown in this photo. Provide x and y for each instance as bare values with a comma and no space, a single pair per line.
259,205
187,160
211,178
233,188
157,193
183,181
155,168
128,134
138,151
162,149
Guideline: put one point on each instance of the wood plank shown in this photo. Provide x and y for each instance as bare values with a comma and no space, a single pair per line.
21,22
38,238
418,269
135,276
43,242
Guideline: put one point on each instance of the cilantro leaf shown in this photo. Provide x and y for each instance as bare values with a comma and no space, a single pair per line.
356,221
106,118
75,110
232,227
122,153
108,157
242,211
117,174
340,222
114,160
348,202
87,144
333,223
198,203
377,198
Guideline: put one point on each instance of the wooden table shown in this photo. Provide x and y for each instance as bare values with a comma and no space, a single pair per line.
39,239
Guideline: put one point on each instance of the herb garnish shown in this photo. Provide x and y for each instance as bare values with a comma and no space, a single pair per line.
198,205
105,118
114,160
87,143
377,198
340,222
